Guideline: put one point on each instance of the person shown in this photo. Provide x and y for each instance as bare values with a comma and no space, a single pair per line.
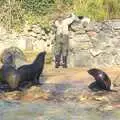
61,43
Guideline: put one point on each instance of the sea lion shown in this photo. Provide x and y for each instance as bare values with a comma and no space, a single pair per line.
17,58
31,72
102,82
16,78
10,76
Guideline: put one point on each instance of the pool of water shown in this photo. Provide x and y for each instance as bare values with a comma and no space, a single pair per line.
56,110
45,110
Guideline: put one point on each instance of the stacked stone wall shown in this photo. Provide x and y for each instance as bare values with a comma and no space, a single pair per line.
96,45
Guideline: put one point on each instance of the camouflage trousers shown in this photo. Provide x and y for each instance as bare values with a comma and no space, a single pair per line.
61,45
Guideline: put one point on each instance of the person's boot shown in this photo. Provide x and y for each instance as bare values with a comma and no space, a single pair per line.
64,61
57,61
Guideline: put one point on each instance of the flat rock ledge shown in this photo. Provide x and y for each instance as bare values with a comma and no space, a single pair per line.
32,94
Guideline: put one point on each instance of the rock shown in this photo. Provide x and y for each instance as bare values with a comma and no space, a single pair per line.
115,43
84,96
116,82
3,31
95,52
105,108
16,95
81,59
36,29
107,27
77,26
115,24
33,34
35,93
18,57
100,98
96,42
39,45
93,26
103,59
79,45
91,33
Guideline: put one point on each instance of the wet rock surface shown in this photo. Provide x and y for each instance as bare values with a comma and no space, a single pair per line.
63,95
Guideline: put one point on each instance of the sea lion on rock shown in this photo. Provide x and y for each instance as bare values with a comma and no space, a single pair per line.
102,82
16,78
10,76
31,72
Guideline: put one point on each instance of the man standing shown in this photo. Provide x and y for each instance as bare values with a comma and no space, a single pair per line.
61,44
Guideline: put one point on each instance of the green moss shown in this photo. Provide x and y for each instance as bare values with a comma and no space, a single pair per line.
35,19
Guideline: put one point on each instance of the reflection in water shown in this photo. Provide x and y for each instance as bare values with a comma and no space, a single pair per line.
54,110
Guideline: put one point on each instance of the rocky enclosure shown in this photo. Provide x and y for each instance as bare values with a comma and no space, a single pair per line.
62,85
96,45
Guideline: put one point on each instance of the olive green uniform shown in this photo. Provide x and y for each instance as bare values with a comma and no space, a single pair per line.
61,45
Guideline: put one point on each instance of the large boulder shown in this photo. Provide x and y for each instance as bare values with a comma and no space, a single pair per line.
17,58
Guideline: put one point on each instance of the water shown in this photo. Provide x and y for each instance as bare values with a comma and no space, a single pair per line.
55,110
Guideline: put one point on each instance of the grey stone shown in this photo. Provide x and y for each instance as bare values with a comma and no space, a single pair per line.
80,59
115,24
104,59
36,29
93,27
95,52
33,34
77,27
96,45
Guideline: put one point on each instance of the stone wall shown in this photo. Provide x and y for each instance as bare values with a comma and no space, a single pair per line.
96,45
32,38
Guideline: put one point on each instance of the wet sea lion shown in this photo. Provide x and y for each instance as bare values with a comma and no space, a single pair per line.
102,82
15,78
10,76
31,72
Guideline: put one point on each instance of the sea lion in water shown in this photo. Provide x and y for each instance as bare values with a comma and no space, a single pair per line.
102,82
